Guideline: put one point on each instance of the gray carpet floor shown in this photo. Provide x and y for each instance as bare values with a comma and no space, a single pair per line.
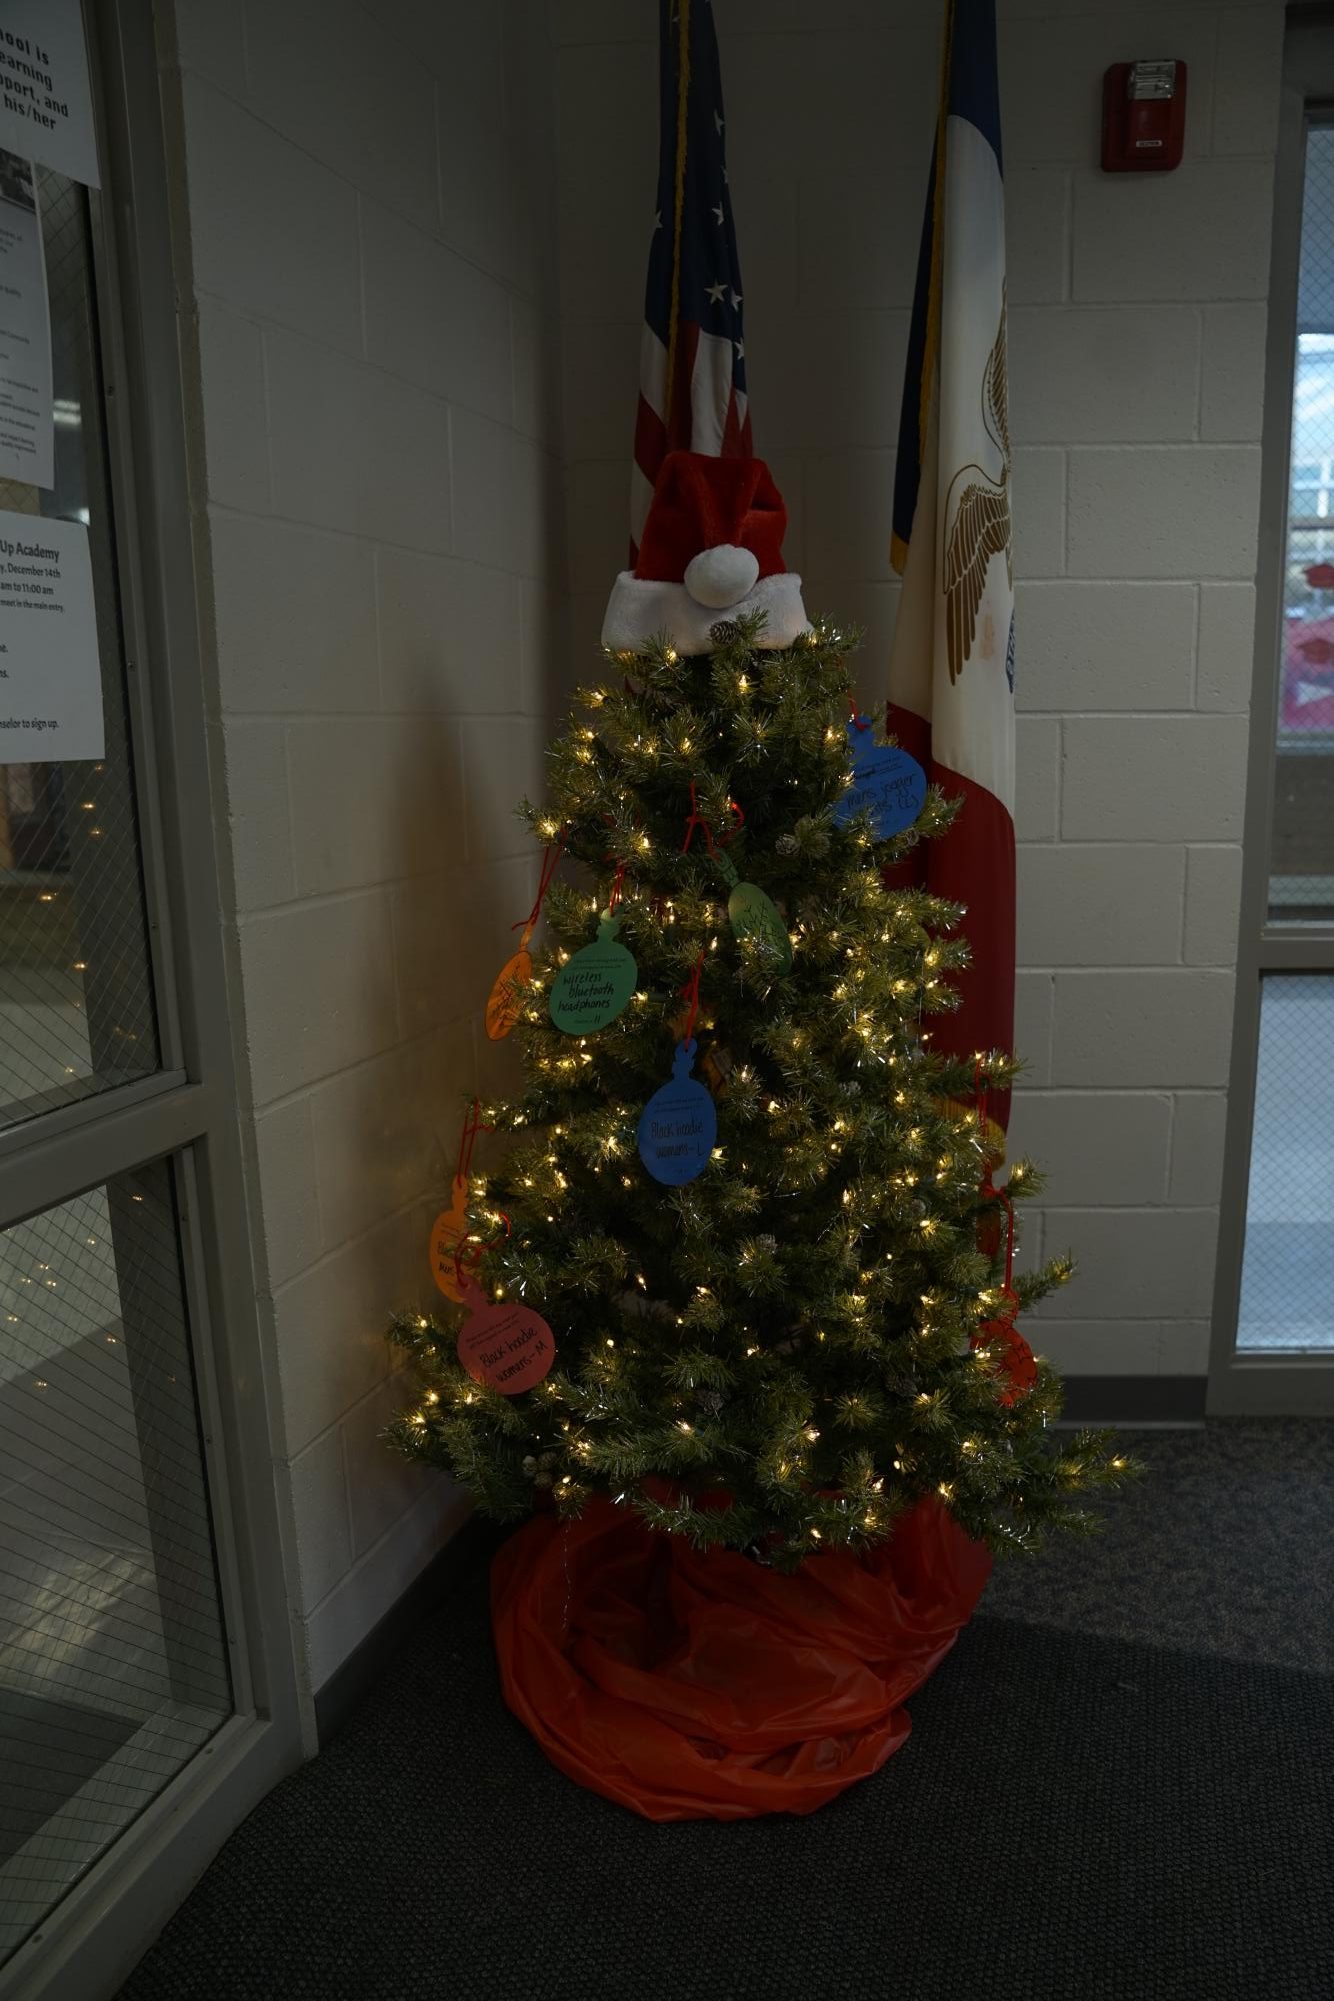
1226,1547
1119,1785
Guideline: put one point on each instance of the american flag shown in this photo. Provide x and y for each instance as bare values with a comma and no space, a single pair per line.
692,369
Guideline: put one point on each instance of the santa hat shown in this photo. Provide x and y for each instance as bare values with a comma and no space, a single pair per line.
711,551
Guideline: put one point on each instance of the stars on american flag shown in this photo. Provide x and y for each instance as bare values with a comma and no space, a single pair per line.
692,360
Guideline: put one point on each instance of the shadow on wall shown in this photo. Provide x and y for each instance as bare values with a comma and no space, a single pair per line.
454,895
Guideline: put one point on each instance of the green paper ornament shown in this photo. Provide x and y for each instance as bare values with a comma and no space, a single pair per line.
752,913
595,985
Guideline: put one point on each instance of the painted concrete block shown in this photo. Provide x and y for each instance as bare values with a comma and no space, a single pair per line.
1096,1148
1102,646
1142,1029
1100,905
1155,778
1164,511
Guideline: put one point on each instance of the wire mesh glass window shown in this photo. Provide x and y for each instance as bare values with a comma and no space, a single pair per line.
1302,853
113,1663
1286,1299
77,1012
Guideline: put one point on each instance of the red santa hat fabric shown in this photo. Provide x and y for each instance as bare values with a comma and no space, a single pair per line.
711,548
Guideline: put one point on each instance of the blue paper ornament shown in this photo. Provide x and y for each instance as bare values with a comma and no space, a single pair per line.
886,782
679,1125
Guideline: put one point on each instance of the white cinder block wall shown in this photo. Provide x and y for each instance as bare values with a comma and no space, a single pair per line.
1136,344
373,214
369,247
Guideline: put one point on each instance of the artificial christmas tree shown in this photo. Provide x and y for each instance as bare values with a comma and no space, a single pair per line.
732,1252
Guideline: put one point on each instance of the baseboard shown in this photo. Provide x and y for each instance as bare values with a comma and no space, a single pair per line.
1130,1400
335,1701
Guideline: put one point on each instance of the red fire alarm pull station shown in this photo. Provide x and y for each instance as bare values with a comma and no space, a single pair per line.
1143,117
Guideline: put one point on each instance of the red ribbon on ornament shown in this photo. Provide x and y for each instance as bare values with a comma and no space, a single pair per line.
690,993
695,820
468,1254
551,855
622,868
472,1125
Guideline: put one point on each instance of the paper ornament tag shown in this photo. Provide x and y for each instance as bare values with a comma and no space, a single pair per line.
752,913
679,1125
716,1066
593,986
505,1002
504,1343
447,1233
1017,1365
886,782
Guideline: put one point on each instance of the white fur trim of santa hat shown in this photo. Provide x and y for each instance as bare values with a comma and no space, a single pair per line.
642,608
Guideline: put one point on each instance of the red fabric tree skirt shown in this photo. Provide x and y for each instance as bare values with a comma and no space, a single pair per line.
702,1686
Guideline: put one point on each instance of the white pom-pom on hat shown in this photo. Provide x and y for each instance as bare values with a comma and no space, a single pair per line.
721,576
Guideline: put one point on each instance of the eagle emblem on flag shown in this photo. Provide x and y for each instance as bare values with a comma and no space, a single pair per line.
977,523
951,530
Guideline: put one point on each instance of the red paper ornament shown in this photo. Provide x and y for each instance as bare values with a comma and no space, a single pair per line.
1320,576
1016,1361
504,1343
989,1232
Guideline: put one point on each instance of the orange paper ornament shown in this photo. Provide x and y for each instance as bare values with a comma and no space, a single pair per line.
505,1001
447,1233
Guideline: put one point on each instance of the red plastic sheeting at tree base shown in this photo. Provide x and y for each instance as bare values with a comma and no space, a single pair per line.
702,1686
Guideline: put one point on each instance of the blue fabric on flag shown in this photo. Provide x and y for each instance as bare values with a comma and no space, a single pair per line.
972,91
708,245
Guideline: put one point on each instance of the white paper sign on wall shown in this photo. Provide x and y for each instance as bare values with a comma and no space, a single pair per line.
50,674
46,107
26,418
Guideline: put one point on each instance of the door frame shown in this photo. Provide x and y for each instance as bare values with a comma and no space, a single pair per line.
188,1109
1259,1383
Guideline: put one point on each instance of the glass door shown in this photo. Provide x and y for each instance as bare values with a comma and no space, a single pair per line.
113,1656
146,1683
1274,1323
